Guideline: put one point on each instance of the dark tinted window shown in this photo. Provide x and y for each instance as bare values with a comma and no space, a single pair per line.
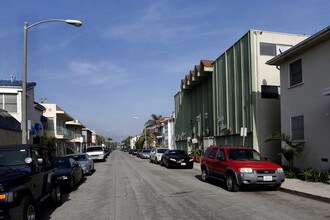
267,49
295,72
297,128
61,162
207,152
221,154
177,152
270,92
243,154
213,153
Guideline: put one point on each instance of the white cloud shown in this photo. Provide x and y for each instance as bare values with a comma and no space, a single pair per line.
160,22
98,73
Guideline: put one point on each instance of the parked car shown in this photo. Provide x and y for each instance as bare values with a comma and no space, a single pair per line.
85,161
156,154
107,151
240,166
145,154
26,179
176,158
96,153
134,152
138,154
68,172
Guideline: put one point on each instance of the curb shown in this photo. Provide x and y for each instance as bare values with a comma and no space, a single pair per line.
306,195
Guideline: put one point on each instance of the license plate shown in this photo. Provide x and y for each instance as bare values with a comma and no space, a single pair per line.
267,178
183,164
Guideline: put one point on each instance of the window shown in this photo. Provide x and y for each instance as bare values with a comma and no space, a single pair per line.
221,155
297,128
8,102
213,153
267,49
270,92
295,69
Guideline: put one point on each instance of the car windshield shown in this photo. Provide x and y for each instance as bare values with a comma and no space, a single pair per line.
243,154
61,163
80,157
177,152
161,150
94,149
146,151
13,157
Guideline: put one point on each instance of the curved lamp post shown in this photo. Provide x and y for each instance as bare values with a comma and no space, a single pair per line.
24,81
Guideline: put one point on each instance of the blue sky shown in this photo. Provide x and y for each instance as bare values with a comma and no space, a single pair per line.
129,56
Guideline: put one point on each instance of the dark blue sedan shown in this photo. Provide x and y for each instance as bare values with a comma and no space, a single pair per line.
68,172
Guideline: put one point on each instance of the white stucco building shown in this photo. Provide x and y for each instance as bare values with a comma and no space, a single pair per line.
305,100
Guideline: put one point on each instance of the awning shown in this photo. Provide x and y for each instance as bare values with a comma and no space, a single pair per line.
43,118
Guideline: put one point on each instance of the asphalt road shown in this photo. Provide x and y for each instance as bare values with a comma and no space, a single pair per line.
126,187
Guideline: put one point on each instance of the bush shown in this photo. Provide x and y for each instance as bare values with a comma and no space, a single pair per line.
314,175
309,174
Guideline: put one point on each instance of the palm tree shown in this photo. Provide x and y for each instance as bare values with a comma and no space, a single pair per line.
152,122
290,150
149,132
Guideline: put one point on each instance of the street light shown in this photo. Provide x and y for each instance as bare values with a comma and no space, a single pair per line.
24,81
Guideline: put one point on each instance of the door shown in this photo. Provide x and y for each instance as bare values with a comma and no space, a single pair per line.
220,164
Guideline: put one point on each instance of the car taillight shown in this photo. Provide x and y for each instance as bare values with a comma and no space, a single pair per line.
3,196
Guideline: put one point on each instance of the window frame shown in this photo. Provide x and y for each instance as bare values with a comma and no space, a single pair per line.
5,102
290,75
294,128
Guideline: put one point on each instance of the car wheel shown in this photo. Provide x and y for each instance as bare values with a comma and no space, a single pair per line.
205,175
231,184
56,195
168,166
26,210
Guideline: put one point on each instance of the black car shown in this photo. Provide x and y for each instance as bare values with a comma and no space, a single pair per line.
134,151
26,180
68,172
176,158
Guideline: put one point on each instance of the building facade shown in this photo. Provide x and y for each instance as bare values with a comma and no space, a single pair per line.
241,92
11,101
305,101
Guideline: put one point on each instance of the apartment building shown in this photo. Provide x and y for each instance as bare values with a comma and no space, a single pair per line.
241,91
305,100
10,101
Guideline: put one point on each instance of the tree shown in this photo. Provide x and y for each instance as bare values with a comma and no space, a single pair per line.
150,129
290,150
152,122
100,139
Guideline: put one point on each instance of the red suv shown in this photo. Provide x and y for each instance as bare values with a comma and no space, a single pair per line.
240,166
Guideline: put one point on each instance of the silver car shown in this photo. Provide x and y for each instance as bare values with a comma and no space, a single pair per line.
145,154
96,153
156,154
85,161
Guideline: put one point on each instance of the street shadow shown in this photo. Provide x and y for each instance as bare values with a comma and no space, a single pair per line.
213,182
45,210
221,184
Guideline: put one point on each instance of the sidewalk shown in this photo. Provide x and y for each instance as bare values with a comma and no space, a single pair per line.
313,190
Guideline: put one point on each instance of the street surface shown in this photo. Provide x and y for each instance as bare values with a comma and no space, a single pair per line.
126,187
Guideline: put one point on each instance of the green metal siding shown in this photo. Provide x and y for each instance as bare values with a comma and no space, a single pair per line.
232,93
